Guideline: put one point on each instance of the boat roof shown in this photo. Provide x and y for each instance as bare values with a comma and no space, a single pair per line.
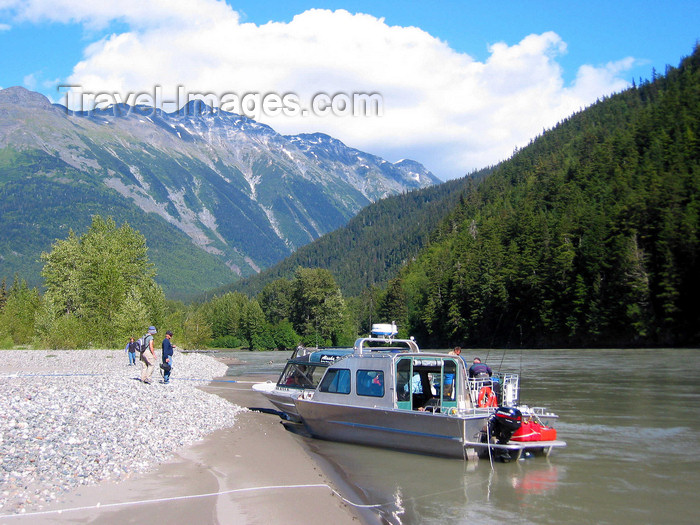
329,355
365,345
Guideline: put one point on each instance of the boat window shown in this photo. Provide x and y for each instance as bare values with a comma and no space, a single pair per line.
336,380
449,390
403,374
297,375
370,383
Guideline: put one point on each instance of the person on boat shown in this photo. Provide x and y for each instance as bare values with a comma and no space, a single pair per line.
377,386
450,378
415,386
479,370
298,378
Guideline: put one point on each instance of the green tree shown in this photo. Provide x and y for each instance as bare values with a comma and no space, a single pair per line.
17,318
275,300
196,331
284,335
225,312
3,294
318,308
254,327
104,280
392,307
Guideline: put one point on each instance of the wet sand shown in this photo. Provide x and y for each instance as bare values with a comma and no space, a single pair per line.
254,473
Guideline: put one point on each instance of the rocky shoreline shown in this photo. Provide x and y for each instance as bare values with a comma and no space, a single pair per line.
80,417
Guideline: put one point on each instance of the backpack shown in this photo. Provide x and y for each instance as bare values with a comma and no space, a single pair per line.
142,344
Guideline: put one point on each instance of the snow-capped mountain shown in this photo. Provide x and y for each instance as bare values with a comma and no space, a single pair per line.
239,191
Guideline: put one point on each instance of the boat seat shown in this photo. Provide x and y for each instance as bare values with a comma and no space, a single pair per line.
421,400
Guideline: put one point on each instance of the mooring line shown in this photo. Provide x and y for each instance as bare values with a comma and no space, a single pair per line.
19,375
99,506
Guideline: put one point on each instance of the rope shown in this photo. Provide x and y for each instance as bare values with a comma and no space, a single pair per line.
75,374
488,440
191,496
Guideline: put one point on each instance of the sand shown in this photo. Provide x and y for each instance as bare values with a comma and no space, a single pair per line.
254,473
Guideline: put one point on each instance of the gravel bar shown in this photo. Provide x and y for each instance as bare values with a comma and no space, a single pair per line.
78,417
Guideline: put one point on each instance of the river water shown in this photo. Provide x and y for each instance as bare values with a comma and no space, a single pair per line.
631,419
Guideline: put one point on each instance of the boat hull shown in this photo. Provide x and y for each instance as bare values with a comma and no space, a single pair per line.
412,431
283,400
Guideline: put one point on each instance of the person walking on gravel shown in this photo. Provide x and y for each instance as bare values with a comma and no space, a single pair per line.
131,351
148,356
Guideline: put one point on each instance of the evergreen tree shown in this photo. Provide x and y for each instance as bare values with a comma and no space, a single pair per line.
318,308
588,236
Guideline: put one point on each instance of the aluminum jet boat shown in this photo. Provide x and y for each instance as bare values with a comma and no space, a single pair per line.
405,399
302,372
306,366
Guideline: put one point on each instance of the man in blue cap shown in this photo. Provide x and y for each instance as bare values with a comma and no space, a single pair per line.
148,356
167,365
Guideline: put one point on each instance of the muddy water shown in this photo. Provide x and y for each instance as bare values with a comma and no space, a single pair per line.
631,419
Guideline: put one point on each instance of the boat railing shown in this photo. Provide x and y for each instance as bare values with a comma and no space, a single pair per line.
504,387
363,345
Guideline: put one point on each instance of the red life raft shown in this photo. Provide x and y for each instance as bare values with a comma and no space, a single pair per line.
534,431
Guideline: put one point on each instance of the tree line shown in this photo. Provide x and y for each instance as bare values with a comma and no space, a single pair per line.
587,237
100,289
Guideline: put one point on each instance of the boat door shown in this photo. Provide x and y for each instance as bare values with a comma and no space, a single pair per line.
426,383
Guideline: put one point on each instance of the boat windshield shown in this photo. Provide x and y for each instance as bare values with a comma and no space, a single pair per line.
301,375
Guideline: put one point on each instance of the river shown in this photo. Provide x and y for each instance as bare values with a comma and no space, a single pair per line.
631,419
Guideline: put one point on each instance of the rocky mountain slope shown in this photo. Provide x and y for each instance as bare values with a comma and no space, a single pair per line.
225,194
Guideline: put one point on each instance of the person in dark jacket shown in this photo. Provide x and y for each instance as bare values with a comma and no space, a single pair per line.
167,356
131,351
479,370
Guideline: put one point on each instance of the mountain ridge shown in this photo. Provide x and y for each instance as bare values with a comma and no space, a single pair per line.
241,192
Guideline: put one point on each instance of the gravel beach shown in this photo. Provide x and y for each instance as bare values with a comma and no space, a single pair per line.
77,418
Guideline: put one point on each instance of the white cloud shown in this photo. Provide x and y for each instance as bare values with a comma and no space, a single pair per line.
442,108
30,81
5,27
137,13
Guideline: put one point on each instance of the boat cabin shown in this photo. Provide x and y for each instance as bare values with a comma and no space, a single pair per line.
405,381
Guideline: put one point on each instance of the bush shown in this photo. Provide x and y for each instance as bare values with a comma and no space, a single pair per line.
6,342
67,333
226,341
285,336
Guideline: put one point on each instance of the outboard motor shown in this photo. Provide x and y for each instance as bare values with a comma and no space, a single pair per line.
502,425
504,422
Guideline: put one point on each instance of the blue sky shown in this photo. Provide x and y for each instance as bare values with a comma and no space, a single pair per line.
462,82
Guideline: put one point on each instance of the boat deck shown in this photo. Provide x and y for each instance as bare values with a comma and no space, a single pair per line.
535,447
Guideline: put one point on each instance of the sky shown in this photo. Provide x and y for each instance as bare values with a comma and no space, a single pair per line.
455,85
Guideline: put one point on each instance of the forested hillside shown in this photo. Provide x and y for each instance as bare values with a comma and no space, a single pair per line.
374,245
588,236
55,208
